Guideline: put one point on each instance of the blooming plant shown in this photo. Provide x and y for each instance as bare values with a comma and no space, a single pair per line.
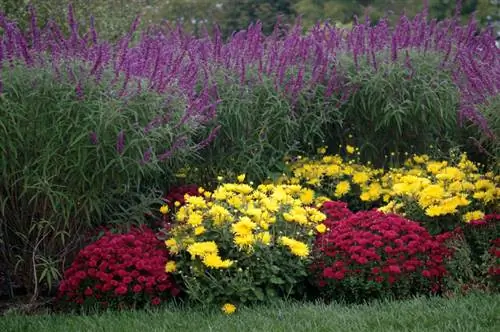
442,194
119,271
373,255
242,244
340,178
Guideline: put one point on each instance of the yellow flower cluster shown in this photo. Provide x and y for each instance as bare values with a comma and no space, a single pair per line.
296,247
339,176
439,188
268,215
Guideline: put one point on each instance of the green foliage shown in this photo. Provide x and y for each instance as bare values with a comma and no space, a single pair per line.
239,14
55,182
257,131
488,142
469,268
397,109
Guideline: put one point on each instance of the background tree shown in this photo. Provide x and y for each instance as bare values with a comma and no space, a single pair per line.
239,14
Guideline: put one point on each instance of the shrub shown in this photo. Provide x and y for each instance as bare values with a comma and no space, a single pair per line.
440,193
82,141
341,178
118,271
399,106
480,234
240,244
372,255
468,268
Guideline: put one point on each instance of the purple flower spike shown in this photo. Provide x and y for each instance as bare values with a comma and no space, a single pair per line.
93,138
147,156
120,142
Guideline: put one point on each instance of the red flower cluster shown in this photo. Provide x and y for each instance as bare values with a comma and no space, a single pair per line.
119,270
176,194
372,254
335,211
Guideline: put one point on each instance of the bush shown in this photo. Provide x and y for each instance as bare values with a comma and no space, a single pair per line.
239,244
372,255
403,105
470,269
118,271
82,142
441,193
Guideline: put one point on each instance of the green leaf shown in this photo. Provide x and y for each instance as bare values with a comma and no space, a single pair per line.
276,280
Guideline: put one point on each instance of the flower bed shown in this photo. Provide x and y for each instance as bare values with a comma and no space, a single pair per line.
119,271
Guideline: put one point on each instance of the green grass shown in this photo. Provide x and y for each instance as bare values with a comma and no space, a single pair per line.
471,313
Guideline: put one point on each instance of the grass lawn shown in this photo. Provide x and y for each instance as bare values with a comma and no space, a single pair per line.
472,313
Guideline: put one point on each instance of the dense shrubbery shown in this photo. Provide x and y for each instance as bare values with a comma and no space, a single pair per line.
119,271
373,255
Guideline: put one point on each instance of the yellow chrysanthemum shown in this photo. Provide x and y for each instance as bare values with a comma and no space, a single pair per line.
473,215
342,188
245,240
215,262
244,226
264,237
164,209
170,267
321,228
195,219
172,245
199,230
228,308
297,248
202,249
307,196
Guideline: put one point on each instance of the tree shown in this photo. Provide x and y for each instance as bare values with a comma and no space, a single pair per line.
239,14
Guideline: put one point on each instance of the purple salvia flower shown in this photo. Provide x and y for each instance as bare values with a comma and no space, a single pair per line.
93,32
1,53
120,142
211,137
74,28
168,153
35,32
79,90
146,157
394,47
458,11
93,138
24,48
8,38
98,61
